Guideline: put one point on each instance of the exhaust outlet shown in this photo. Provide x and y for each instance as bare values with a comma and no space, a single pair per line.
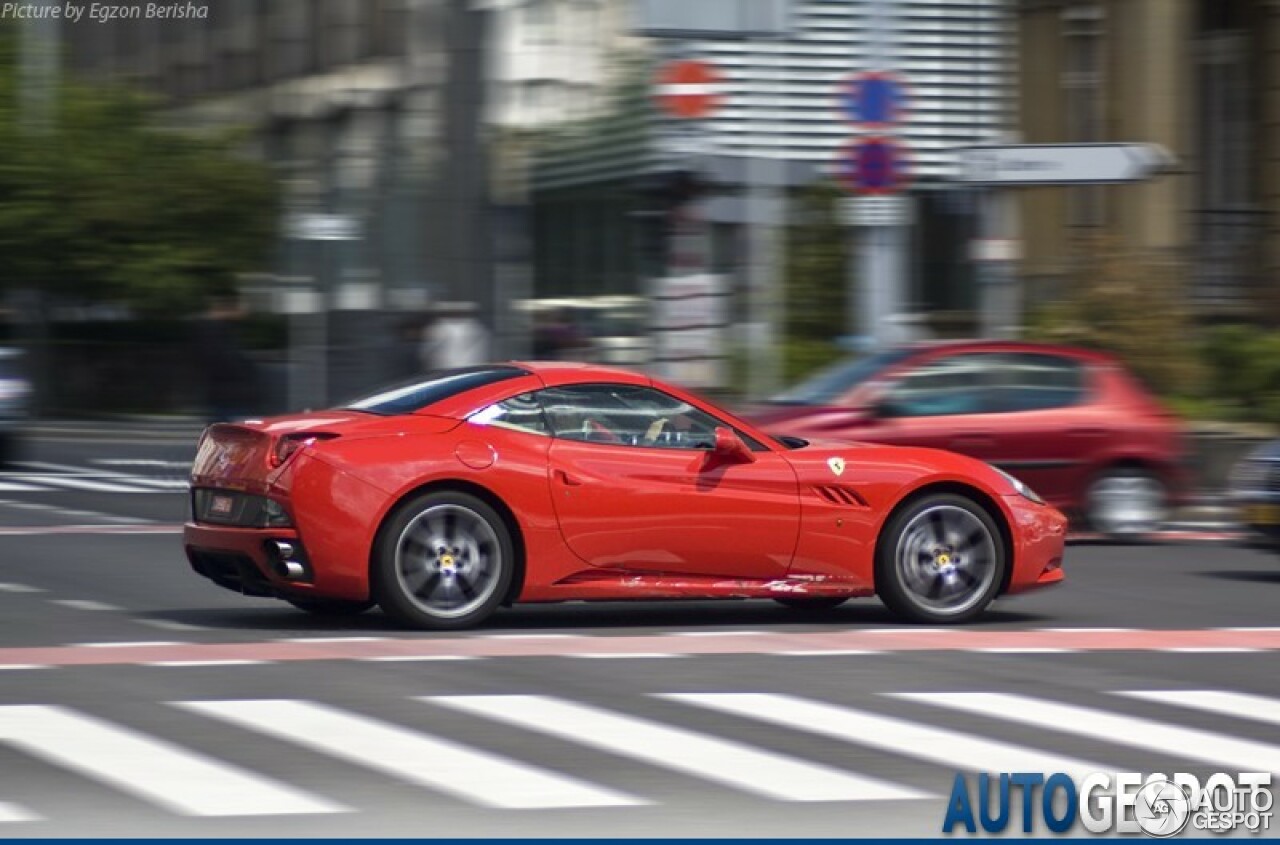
290,569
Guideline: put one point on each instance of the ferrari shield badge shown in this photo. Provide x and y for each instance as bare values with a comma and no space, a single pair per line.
837,465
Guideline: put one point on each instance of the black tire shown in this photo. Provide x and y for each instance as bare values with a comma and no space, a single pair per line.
945,544
1126,503
331,607
814,604
473,558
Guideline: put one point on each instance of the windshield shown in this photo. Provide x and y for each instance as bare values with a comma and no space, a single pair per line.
423,393
833,382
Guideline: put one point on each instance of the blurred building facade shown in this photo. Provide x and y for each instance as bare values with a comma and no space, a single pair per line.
1201,78
595,187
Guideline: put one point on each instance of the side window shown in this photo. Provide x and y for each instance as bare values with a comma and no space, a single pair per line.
520,413
626,415
1038,382
957,384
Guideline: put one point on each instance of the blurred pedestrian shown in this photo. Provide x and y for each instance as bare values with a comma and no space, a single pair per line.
454,338
228,375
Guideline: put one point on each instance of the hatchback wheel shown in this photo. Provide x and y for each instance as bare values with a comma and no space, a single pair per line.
444,560
940,559
1126,503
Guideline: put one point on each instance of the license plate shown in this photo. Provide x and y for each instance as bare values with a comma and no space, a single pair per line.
1262,514
220,505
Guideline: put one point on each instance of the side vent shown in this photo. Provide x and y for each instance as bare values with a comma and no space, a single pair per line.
839,494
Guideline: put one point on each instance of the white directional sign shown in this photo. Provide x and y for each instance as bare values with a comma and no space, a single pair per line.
1060,164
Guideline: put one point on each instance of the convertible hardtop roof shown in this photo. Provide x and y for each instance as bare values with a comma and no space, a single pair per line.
573,372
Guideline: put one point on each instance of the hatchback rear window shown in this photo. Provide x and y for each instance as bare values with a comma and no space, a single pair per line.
422,393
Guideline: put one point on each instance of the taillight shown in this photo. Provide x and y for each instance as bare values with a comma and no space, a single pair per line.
289,444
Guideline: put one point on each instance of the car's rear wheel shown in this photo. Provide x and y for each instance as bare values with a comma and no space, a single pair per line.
940,559
331,607
444,560
812,603
1126,502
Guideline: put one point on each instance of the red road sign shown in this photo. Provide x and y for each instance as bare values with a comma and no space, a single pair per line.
874,165
689,88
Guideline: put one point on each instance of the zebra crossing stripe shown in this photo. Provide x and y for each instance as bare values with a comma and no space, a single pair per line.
741,766
951,749
15,813
1239,705
472,775
1158,737
74,483
176,778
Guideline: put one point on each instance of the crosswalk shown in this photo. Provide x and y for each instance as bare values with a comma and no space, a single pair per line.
695,736
102,476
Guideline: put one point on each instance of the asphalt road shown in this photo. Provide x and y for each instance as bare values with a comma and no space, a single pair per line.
138,699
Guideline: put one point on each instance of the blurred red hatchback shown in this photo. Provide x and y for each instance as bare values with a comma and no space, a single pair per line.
1072,424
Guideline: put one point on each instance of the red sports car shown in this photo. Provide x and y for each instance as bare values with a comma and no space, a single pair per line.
446,498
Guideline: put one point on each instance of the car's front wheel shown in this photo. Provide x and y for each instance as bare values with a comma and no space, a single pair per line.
941,559
444,560
1125,503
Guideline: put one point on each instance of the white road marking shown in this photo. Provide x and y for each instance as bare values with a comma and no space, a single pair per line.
75,483
841,652
472,775
134,644
737,765
720,633
85,604
19,588
1158,737
635,655
171,625
16,487
1207,649
952,749
177,778
184,664
141,462
417,658
1239,705
14,813
8,666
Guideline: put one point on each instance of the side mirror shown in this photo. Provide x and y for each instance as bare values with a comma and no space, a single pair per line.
729,447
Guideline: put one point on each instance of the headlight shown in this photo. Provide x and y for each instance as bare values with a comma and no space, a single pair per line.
1023,490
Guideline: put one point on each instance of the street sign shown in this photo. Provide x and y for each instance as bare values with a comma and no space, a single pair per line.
874,99
689,89
1060,164
873,165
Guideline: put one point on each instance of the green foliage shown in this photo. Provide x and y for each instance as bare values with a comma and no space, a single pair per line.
1244,373
816,281
103,205
1132,306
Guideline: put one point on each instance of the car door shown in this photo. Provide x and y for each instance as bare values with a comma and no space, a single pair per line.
943,403
636,487
1046,424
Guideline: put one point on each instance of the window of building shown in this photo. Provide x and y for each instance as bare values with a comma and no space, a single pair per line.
1083,28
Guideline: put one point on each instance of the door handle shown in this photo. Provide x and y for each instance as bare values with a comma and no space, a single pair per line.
566,479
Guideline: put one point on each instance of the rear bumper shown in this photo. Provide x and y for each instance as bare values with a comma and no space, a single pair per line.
248,561
1039,538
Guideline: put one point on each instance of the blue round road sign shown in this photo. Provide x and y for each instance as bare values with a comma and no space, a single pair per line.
873,165
874,99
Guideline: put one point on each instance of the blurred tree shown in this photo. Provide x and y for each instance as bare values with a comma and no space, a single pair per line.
1132,306
816,280
107,205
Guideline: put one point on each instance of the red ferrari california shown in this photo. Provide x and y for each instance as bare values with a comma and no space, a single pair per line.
444,499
